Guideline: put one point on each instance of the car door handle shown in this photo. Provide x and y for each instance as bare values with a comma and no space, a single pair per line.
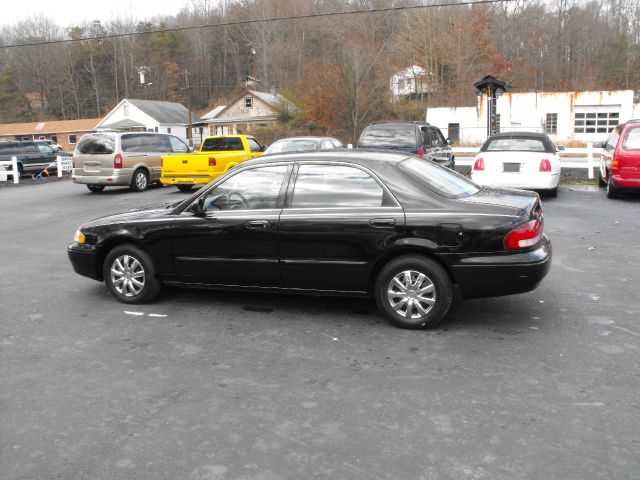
382,222
256,224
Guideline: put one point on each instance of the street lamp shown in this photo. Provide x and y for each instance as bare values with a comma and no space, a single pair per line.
493,88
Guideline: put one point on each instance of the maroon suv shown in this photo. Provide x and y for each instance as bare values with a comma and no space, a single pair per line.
620,161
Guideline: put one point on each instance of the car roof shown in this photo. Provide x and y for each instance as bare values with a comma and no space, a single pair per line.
519,135
358,157
309,137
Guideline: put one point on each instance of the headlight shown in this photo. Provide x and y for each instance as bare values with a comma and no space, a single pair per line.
79,237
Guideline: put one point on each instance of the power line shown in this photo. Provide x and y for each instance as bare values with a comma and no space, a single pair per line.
261,20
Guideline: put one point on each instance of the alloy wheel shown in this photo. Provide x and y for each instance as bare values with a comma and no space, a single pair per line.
127,275
411,294
141,180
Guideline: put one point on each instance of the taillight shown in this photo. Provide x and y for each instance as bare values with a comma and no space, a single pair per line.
479,164
525,235
420,152
615,166
117,161
212,162
545,165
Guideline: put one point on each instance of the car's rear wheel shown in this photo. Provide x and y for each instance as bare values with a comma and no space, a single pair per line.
612,190
413,292
130,275
140,181
601,181
95,188
185,188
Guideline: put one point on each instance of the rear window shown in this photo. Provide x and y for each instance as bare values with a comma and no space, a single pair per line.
438,178
96,145
10,149
514,145
222,144
292,146
389,135
632,139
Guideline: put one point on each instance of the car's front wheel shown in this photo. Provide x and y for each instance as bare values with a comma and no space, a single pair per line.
413,292
140,180
130,275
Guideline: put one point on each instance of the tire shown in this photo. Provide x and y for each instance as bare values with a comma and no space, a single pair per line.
95,188
406,270
185,188
612,190
136,266
601,181
553,193
139,181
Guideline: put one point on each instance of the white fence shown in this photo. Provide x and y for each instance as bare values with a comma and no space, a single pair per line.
63,164
569,157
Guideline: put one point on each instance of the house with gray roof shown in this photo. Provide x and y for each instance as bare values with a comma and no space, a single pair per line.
249,110
151,116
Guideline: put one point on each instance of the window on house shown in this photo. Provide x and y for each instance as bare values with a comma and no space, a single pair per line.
155,129
595,122
125,109
168,129
551,123
72,139
248,102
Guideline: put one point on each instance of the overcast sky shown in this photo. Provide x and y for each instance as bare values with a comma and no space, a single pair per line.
66,12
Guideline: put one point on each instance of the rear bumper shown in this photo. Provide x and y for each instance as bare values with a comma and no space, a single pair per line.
84,260
195,180
118,177
620,182
528,181
493,276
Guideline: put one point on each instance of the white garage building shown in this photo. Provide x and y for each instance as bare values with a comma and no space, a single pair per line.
567,117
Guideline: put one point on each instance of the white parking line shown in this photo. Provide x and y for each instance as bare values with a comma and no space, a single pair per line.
134,313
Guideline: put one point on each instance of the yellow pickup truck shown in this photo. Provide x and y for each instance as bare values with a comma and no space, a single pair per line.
217,154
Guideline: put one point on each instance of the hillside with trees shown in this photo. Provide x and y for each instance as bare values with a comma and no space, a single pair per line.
336,68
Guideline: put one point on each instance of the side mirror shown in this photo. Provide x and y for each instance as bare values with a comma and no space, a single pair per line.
263,148
560,148
191,150
450,142
198,207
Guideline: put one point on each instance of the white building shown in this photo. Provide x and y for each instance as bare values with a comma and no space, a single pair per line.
567,117
411,82
151,116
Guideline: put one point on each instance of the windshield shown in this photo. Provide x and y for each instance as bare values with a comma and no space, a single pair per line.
514,144
389,135
298,145
438,178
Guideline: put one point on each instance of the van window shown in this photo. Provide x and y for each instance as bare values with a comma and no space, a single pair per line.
222,144
159,143
136,142
632,139
96,145
612,140
388,135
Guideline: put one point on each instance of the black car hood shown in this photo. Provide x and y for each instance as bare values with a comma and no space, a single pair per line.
156,210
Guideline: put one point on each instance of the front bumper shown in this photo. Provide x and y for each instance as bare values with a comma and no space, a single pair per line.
84,259
497,275
526,181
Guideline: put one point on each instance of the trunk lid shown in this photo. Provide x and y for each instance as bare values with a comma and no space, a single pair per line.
512,201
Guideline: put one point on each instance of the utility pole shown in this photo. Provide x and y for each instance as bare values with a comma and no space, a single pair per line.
190,130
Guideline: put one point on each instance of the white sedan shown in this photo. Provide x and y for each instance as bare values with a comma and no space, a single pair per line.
519,160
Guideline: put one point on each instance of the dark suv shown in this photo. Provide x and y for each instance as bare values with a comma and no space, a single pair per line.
418,138
32,157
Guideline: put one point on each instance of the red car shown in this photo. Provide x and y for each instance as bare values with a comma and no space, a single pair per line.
620,161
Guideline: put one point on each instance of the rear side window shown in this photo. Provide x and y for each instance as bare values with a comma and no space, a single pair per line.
632,139
96,145
438,178
612,139
389,135
10,149
222,144
326,186
160,143
514,145
29,147
137,142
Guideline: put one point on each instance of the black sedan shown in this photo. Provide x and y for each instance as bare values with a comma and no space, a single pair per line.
397,227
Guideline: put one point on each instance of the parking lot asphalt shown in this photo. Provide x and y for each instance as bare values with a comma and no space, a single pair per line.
208,385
